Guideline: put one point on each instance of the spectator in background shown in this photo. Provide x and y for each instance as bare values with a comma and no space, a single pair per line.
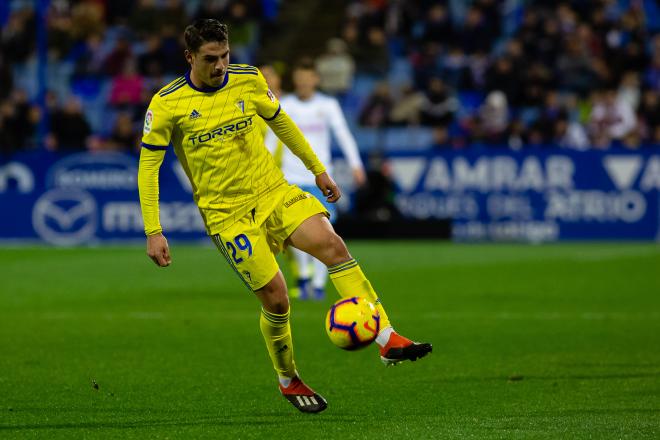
6,78
172,48
515,135
351,36
549,43
649,114
550,112
120,55
126,88
89,58
611,118
630,89
652,74
374,56
477,66
407,109
150,62
70,131
374,201
570,134
86,19
493,118
440,136
454,67
18,122
376,112
503,78
59,37
536,79
476,35
124,136
146,18
529,32
244,32
336,68
18,36
439,105
118,12
173,17
575,67
437,26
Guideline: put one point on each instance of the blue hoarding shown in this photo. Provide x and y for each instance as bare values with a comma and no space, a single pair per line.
546,195
533,196
87,198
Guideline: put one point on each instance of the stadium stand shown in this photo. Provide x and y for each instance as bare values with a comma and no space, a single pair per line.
413,74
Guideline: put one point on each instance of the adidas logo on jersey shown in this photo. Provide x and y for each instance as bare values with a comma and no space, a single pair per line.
195,114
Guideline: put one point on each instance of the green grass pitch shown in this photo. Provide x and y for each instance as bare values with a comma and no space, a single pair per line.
552,341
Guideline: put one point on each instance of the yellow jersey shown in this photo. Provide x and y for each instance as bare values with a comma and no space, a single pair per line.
215,134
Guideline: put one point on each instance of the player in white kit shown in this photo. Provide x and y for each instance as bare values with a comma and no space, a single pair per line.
317,115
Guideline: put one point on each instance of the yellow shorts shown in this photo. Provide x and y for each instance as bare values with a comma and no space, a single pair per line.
250,244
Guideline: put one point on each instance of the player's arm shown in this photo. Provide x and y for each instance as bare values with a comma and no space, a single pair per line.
155,140
283,126
346,141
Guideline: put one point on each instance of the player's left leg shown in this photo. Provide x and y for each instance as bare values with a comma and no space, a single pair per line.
245,247
276,330
317,237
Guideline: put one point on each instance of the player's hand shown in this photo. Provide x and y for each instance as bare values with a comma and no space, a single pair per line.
158,250
359,177
328,187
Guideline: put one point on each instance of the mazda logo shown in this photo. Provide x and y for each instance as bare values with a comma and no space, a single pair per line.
65,217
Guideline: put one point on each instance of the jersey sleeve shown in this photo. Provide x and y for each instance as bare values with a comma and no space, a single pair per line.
157,129
289,133
344,137
268,106
150,162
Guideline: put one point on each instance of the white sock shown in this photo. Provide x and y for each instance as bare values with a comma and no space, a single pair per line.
303,259
384,336
320,276
285,381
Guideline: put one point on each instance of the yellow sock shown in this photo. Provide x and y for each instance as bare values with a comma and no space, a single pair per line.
277,334
349,280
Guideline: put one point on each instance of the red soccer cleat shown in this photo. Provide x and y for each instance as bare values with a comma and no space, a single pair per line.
399,349
303,397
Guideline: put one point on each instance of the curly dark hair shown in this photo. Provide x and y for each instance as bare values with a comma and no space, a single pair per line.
204,30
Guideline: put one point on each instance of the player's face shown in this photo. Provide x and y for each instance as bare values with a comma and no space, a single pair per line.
209,63
305,82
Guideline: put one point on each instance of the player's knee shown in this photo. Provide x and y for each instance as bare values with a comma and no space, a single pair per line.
336,251
275,299
278,304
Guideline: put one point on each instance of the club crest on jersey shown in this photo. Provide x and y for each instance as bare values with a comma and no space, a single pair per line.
195,114
241,105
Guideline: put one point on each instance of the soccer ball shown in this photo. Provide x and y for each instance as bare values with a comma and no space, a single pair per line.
352,323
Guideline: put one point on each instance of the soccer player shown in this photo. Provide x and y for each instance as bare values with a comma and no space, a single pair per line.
250,211
317,115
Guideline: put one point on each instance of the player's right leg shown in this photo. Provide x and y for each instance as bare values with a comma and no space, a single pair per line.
317,237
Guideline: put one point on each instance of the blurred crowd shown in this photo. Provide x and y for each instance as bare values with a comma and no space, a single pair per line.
522,74
106,59
578,74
